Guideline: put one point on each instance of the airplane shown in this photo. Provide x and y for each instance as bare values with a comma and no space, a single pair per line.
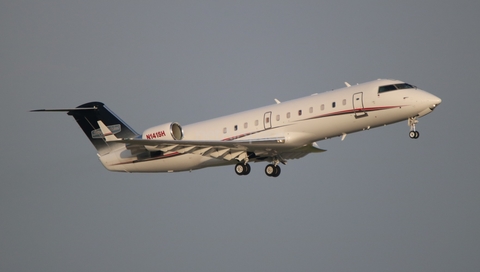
274,133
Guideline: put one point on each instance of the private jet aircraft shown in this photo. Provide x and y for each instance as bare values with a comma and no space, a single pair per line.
274,134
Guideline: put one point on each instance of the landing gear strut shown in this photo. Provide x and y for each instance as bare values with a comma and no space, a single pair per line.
242,169
414,134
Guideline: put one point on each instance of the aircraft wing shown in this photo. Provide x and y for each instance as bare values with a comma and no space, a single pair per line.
228,144
227,150
263,148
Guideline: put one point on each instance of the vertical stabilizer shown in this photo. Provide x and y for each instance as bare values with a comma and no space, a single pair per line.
88,121
87,117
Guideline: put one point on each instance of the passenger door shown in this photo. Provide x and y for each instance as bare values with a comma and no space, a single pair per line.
267,120
358,108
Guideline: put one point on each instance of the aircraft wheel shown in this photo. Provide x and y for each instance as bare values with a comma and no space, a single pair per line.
413,134
277,171
272,170
247,169
417,134
240,168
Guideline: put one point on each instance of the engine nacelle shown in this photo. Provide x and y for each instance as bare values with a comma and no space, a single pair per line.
168,131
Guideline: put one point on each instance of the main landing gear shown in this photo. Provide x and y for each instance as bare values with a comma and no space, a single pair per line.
243,169
414,134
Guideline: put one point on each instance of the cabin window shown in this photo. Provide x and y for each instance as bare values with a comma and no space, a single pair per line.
245,125
288,115
299,112
278,117
310,110
334,104
322,107
267,120
224,130
235,128
256,122
344,102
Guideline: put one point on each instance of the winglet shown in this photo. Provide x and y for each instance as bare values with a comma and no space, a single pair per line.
109,136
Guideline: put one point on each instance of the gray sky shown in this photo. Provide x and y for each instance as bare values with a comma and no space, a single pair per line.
377,201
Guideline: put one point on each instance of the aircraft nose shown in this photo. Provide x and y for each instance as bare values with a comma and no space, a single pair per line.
435,100
427,102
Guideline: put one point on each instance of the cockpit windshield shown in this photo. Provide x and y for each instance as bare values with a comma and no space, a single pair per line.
394,87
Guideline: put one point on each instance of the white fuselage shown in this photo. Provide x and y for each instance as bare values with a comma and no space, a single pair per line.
300,122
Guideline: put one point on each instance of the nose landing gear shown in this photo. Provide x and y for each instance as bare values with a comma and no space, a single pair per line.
412,121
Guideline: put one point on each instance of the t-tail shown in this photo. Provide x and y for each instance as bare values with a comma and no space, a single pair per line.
87,117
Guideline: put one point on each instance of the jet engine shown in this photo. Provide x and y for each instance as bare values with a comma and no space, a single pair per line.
168,131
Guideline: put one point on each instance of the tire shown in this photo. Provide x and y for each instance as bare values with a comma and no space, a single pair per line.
240,169
277,171
270,170
247,169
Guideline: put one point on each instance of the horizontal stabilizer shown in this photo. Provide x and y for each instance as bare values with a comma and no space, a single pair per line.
63,110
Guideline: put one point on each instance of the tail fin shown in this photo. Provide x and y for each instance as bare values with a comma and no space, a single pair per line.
87,116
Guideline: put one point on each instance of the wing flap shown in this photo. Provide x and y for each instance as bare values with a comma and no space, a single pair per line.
220,153
226,150
202,151
233,155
